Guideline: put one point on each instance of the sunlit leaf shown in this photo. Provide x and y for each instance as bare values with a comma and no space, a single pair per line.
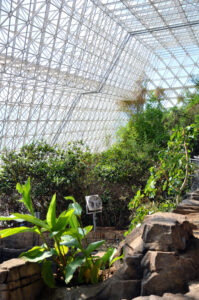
36,254
93,246
26,198
77,208
69,241
72,267
70,198
51,214
32,220
11,231
63,220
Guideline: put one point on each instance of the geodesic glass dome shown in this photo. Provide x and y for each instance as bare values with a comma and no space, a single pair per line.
65,64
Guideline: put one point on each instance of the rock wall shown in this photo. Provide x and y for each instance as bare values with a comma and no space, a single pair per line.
20,280
161,256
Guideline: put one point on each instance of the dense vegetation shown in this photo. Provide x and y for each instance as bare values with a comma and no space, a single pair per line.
146,167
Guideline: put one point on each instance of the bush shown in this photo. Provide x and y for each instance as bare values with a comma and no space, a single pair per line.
170,177
51,169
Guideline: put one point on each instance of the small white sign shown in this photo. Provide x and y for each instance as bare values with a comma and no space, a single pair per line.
93,204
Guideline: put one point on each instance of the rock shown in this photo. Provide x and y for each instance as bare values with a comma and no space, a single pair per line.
193,291
73,293
131,269
134,269
121,289
166,232
160,258
18,268
162,282
3,275
169,296
152,297
20,280
155,261
132,245
168,272
109,290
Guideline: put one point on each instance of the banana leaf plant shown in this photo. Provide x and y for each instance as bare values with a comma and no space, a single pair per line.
71,253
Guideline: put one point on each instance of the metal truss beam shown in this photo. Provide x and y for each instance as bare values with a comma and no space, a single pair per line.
65,65
163,28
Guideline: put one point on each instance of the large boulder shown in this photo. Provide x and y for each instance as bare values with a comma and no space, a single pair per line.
20,280
166,232
162,253
113,289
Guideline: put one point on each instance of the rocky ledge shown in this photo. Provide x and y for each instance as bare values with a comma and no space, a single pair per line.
161,258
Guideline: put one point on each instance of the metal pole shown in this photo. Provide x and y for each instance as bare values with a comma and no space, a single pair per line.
94,221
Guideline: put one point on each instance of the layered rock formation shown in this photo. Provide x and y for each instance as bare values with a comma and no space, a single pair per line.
160,258
20,280
162,255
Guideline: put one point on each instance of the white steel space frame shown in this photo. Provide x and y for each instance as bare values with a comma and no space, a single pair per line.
66,64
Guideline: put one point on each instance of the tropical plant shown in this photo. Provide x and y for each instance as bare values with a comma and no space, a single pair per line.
169,178
70,251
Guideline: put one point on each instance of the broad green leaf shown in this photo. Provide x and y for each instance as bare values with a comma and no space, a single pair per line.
115,259
87,229
69,241
114,250
51,214
19,188
63,220
74,222
10,218
32,220
72,267
11,231
71,231
54,233
25,191
84,231
63,248
76,232
47,274
77,208
108,255
40,230
70,198
36,254
91,247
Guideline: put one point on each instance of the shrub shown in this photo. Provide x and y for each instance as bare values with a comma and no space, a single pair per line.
170,177
51,169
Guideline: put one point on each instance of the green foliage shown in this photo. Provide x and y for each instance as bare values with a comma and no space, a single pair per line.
145,129
127,162
51,169
134,157
67,233
169,178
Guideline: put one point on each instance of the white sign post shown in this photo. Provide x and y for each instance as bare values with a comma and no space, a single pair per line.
93,206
